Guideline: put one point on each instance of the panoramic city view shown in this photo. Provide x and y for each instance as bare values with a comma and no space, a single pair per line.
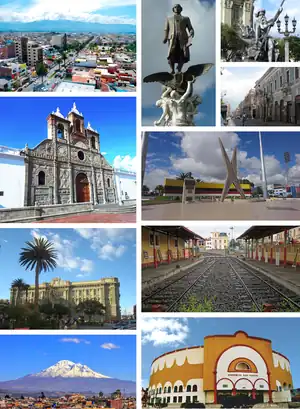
223,268
220,362
73,51
220,176
68,279
68,372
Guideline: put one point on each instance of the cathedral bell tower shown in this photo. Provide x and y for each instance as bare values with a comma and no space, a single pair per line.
77,123
58,126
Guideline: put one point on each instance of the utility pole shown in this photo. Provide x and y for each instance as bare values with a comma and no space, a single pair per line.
145,136
263,169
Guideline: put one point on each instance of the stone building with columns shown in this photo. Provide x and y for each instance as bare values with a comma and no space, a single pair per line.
235,12
68,167
105,290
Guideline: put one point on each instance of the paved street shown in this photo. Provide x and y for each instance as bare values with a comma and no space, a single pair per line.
288,209
256,122
94,218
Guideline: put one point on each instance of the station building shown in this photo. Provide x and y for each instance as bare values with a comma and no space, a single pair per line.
168,244
229,370
279,245
173,188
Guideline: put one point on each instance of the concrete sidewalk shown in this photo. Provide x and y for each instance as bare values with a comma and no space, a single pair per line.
287,276
151,274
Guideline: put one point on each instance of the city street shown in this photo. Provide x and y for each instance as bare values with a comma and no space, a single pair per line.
256,122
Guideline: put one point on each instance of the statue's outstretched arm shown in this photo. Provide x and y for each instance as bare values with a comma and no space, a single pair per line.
188,92
166,93
167,29
165,115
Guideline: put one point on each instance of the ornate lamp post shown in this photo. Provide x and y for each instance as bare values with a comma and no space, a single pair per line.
286,34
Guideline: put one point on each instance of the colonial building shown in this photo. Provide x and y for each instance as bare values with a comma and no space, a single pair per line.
68,167
235,12
105,290
230,370
218,241
275,97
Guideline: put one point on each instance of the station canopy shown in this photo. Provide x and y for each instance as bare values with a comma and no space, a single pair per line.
258,232
177,231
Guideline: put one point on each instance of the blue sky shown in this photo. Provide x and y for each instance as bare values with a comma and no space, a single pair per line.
179,333
199,152
97,11
202,51
114,118
83,254
116,360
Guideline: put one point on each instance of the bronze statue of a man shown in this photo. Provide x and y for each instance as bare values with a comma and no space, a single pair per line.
178,31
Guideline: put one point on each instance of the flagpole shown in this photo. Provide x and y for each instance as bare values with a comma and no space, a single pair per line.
263,169
144,153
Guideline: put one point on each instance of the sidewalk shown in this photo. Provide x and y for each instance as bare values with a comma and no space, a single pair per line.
287,276
151,274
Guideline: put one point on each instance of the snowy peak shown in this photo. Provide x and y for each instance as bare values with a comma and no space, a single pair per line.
68,369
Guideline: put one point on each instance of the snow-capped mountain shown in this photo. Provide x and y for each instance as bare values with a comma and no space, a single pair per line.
68,369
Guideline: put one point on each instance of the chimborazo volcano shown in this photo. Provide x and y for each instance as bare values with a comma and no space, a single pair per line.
67,377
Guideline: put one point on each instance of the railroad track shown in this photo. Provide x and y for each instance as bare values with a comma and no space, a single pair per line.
221,284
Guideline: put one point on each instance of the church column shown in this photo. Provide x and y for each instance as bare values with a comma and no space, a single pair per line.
94,185
71,182
114,186
103,186
55,177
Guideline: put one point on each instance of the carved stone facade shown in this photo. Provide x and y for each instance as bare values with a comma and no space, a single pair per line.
68,167
235,12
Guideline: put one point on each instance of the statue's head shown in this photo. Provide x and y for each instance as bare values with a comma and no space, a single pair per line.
261,12
159,103
177,9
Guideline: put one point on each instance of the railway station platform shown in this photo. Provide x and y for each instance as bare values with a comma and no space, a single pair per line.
163,271
287,276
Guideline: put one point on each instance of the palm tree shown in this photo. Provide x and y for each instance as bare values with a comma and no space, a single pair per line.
19,285
160,189
59,61
39,255
64,57
183,176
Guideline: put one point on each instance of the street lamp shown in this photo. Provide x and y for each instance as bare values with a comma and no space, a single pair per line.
286,34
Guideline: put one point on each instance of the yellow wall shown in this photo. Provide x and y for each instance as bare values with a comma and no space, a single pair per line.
179,183
163,246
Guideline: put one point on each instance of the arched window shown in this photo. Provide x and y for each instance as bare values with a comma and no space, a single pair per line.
188,388
160,390
195,388
169,389
180,388
41,178
175,389
290,386
60,131
284,386
93,142
165,389
108,182
242,366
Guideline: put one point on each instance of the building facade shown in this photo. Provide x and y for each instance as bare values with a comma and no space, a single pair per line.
276,96
235,12
126,185
105,290
28,52
228,369
219,241
68,167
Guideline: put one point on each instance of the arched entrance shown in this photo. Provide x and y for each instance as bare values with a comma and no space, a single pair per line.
82,188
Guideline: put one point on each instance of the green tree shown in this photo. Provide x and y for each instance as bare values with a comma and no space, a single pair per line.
231,43
183,176
294,47
100,394
59,61
160,189
39,255
64,57
18,286
90,308
145,189
41,70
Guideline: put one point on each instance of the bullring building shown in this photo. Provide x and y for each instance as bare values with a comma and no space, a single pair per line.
228,369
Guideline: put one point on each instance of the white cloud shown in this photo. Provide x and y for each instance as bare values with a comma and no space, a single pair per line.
236,83
109,345
67,10
109,244
75,341
125,162
164,331
66,258
154,58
